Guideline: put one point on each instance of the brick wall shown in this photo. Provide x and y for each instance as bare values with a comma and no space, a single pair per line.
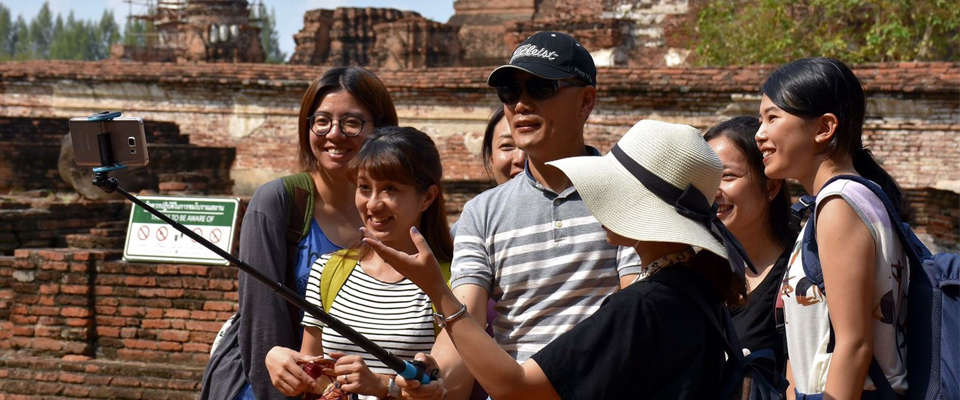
253,107
81,324
35,154
43,222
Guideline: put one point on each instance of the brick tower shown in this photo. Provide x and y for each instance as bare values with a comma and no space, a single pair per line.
196,31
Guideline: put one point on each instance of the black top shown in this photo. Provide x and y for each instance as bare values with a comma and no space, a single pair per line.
648,341
754,322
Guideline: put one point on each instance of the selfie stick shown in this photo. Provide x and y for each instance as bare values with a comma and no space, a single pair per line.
408,370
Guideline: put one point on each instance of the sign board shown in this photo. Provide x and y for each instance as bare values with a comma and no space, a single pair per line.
151,239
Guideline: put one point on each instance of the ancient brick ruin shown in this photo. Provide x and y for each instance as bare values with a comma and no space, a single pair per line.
196,30
78,322
381,38
619,33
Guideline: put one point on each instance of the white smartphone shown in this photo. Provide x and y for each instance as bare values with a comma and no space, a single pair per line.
127,141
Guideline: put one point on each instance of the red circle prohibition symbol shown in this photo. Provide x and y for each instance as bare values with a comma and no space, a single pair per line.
215,235
143,233
162,233
199,232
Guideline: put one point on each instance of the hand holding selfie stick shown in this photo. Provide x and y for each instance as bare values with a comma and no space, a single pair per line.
413,370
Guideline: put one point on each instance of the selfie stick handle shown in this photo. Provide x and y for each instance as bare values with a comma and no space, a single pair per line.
408,370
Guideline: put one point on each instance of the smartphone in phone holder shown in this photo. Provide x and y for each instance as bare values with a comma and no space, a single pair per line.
103,143
414,370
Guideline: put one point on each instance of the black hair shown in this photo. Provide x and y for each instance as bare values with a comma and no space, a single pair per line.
362,84
409,156
811,87
741,131
487,149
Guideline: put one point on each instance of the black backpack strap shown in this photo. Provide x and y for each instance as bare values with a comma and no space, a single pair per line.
798,212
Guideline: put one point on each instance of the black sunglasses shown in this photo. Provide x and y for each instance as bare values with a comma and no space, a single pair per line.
537,88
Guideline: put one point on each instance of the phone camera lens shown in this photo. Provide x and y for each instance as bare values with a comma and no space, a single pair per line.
131,141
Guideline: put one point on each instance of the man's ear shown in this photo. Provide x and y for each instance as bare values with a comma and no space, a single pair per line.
428,197
827,128
589,100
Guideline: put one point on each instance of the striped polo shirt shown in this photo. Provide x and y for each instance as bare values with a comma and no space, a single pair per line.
398,316
543,258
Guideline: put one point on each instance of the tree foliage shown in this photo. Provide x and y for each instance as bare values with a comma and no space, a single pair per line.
51,37
269,38
740,32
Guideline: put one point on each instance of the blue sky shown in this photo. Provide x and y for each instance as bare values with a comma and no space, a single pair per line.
289,13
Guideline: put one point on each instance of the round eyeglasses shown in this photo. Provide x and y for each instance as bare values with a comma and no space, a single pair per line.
321,124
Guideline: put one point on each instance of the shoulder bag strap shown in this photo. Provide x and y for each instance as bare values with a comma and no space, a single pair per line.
334,276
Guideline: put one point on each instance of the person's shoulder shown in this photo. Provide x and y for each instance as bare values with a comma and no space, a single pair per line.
269,196
653,289
496,194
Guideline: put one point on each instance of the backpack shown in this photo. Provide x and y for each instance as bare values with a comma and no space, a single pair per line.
337,270
744,377
933,306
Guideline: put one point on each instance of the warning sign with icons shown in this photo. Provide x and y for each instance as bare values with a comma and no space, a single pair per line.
151,239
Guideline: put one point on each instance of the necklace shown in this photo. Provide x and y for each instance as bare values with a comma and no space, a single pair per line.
666,261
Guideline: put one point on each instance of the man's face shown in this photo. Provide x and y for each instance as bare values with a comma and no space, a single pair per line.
546,128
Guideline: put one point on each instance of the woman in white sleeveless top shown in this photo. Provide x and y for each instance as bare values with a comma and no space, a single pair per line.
811,116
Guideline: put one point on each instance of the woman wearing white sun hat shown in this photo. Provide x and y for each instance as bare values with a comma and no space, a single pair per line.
649,340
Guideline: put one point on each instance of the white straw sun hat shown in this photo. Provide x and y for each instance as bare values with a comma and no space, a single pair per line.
612,189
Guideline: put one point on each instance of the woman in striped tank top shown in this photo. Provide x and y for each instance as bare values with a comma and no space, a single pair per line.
398,176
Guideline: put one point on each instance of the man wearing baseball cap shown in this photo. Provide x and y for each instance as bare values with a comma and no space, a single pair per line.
531,244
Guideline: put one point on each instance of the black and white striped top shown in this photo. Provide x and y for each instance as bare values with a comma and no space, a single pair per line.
398,316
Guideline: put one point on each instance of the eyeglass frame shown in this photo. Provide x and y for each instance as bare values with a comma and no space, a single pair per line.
524,86
311,124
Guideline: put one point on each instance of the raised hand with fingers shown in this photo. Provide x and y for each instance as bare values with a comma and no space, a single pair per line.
421,268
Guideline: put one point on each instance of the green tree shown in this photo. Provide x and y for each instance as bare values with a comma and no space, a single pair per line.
76,39
59,45
777,31
6,33
104,35
41,32
269,38
23,50
133,32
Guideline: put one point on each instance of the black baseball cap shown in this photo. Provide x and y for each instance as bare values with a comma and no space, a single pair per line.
551,55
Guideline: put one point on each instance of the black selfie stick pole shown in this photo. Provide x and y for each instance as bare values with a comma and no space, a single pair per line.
408,370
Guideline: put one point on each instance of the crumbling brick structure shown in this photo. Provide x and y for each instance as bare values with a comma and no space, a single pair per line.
414,43
197,30
376,37
619,33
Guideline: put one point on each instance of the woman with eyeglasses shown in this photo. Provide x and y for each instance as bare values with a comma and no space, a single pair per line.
338,111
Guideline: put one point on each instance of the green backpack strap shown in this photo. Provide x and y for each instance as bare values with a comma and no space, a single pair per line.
300,194
300,199
334,274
